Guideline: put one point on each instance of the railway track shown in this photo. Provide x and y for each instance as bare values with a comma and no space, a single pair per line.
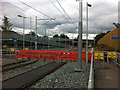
16,65
25,80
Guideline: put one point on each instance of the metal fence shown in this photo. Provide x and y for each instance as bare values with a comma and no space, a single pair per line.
105,56
108,56
118,59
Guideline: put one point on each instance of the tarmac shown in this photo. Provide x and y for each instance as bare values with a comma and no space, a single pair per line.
106,75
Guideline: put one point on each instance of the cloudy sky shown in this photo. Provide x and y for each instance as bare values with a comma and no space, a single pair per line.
101,16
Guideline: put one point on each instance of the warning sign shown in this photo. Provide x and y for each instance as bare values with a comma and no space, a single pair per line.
12,49
99,56
111,55
26,49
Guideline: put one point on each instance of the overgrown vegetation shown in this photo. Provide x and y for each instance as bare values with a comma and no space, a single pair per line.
101,47
61,36
116,24
99,36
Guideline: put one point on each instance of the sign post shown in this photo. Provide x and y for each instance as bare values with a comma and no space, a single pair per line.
15,42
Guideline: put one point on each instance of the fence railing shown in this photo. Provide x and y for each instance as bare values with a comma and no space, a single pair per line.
91,76
108,56
118,59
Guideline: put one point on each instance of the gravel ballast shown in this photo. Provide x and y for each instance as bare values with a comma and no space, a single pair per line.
14,72
66,77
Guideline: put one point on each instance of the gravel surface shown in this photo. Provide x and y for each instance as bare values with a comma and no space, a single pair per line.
66,77
8,58
14,72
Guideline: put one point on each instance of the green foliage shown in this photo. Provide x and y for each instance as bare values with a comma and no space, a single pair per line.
61,36
32,33
101,47
98,37
64,36
108,32
6,24
45,36
116,24
56,36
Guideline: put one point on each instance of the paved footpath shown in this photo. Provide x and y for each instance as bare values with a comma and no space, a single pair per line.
106,75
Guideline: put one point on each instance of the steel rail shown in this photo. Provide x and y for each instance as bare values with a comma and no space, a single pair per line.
15,67
24,81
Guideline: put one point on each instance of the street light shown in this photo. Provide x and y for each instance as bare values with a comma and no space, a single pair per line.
23,30
87,5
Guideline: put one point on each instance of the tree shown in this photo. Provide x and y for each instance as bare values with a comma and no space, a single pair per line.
116,24
56,36
32,33
64,36
45,37
6,24
98,37
108,32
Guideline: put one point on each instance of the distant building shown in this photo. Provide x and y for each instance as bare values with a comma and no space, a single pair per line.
108,41
90,43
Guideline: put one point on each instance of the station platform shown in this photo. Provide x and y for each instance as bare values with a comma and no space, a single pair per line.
106,75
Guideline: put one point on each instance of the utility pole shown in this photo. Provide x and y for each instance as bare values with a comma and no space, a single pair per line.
79,69
72,41
30,33
59,42
23,33
87,31
23,30
45,31
36,33
36,29
65,41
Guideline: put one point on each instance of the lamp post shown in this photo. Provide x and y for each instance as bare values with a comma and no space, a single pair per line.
36,29
23,30
87,5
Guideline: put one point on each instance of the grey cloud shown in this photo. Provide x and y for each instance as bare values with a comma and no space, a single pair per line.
101,16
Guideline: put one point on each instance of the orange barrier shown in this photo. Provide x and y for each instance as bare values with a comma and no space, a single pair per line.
64,55
74,55
54,55
83,56
49,55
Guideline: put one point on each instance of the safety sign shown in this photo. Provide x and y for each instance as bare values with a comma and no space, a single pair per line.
99,56
12,49
111,55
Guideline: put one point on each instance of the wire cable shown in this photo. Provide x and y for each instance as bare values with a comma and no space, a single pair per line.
58,9
19,8
34,9
66,13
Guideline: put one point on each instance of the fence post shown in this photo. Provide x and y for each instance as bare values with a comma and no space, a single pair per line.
103,58
107,57
116,59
